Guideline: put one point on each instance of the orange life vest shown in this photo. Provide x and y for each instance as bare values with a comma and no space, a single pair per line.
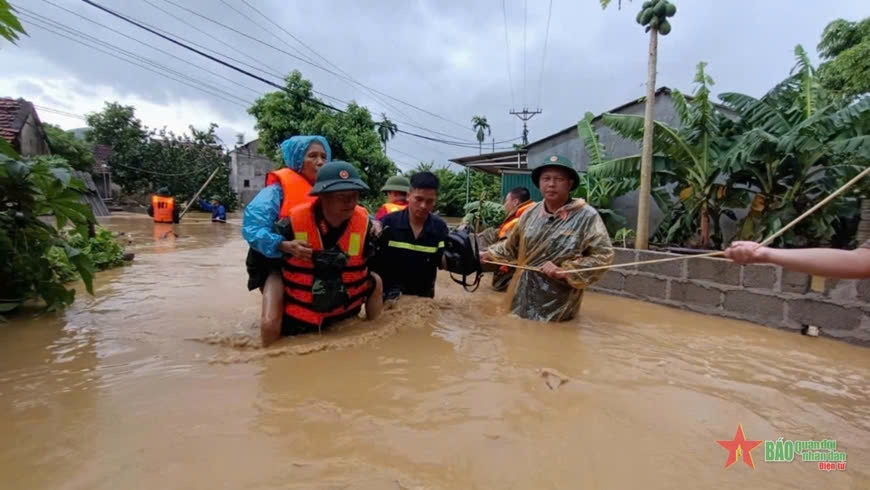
392,207
299,274
294,188
513,219
163,208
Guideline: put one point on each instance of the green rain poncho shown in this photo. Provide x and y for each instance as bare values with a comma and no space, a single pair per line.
573,237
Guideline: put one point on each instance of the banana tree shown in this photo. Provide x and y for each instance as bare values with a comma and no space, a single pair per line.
691,157
794,144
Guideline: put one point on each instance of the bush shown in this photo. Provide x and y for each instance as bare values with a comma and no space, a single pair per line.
102,250
30,189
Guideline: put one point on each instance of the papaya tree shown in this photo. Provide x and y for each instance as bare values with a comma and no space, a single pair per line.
654,15
690,156
795,144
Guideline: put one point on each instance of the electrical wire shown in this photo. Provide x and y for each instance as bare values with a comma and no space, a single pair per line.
47,27
508,52
544,55
327,70
162,51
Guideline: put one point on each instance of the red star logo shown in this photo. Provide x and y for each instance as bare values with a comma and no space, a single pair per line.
739,446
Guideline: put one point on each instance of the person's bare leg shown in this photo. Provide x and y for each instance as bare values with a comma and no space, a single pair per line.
375,303
273,309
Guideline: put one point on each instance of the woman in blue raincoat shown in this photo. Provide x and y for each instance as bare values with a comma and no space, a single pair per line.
303,157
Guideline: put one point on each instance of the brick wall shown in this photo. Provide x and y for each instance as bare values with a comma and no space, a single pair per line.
763,294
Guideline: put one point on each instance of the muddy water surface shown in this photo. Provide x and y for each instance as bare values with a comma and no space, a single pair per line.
158,382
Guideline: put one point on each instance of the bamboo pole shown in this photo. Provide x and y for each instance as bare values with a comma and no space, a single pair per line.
767,241
198,192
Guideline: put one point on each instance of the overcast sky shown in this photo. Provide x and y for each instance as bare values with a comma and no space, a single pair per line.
447,57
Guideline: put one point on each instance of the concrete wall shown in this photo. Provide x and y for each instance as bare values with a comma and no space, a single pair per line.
246,164
31,139
763,294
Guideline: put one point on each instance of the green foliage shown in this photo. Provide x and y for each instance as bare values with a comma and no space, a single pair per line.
352,135
29,190
102,250
623,235
491,214
796,145
691,157
65,145
481,125
451,196
10,26
143,160
845,50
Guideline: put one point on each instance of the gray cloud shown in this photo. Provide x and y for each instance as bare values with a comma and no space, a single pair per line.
448,57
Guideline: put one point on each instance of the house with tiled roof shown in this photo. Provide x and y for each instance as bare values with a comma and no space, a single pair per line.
21,127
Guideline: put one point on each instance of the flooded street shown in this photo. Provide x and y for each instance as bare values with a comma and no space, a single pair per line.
158,382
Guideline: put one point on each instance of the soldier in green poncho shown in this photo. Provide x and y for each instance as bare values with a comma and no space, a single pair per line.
560,233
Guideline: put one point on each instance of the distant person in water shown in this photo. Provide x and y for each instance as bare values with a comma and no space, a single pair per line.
217,210
824,262
163,208
285,188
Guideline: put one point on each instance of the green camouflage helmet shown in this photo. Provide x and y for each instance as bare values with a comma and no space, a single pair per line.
397,183
337,176
556,161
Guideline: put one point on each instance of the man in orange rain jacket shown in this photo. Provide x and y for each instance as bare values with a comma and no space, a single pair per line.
517,202
163,208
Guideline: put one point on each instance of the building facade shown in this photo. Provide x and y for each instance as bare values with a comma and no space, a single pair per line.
248,169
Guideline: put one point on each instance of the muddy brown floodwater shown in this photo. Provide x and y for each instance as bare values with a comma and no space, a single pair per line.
157,382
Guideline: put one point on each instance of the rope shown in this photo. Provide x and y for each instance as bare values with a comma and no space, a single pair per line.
766,242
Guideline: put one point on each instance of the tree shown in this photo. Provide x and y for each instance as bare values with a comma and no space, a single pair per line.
352,134
795,144
64,144
693,155
10,26
386,130
654,16
143,160
480,124
845,50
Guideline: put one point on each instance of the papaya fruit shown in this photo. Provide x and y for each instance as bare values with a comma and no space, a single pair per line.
661,8
654,23
647,15
647,29
646,5
665,28
670,10
640,17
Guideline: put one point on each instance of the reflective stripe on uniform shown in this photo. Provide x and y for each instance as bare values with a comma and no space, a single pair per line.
415,248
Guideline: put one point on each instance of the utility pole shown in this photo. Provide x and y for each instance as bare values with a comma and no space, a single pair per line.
525,115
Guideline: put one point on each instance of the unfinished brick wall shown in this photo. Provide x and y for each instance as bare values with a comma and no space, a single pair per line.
763,294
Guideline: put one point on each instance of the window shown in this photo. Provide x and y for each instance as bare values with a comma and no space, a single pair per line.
247,183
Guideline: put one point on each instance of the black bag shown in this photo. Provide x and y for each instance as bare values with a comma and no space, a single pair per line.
463,258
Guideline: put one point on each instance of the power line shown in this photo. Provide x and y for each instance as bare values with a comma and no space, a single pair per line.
267,71
60,112
164,52
525,72
508,52
348,78
257,77
171,2
75,32
544,56
47,27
